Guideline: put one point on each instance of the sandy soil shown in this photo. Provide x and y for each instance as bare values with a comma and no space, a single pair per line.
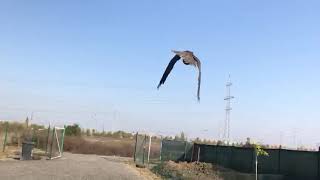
73,167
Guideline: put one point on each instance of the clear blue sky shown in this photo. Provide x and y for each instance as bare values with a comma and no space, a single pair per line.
99,62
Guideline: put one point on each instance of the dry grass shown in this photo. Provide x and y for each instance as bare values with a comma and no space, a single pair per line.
108,146
97,146
10,151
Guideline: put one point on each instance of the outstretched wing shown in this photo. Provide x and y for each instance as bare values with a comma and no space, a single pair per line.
168,70
198,64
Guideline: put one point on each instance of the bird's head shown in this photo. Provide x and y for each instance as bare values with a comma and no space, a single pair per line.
188,51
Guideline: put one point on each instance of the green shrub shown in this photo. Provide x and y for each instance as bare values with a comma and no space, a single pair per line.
73,130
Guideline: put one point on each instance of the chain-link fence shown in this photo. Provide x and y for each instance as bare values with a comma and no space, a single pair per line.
49,141
41,138
3,135
140,153
146,150
55,142
46,142
176,150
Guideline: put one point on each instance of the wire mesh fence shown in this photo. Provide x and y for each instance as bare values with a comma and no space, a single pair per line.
176,150
41,137
147,149
55,142
46,142
140,154
3,136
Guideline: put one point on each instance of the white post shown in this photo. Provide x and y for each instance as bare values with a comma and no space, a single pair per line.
198,154
256,167
149,148
160,148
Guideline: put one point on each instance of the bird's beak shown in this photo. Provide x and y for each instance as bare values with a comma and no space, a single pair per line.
174,51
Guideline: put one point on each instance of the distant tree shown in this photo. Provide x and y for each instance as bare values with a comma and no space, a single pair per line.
220,142
73,130
183,136
88,132
176,138
180,137
248,142
197,140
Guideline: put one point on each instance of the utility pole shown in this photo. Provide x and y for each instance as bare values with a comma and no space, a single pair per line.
226,133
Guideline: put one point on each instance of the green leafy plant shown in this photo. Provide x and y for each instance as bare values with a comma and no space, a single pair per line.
259,152
73,130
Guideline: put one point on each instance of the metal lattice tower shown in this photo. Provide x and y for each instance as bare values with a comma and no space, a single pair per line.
226,133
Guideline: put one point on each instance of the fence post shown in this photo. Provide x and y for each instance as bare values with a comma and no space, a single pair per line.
217,147
144,148
52,139
319,163
5,137
279,160
161,148
253,159
62,138
231,157
198,159
192,151
48,139
149,149
135,148
185,150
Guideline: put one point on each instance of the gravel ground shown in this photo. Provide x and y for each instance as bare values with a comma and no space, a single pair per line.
71,167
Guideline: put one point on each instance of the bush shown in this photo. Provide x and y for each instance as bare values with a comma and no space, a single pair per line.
73,130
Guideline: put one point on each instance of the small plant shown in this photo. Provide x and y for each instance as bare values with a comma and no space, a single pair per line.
258,152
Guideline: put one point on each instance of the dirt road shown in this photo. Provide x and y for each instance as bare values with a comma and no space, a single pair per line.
70,167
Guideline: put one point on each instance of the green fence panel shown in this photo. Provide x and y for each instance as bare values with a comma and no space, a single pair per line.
319,163
141,150
269,164
293,164
40,139
224,154
301,164
242,159
208,153
175,150
189,148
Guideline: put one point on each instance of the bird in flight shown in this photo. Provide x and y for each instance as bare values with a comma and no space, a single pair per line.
188,58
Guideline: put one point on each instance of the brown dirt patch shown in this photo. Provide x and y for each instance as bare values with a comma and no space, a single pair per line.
10,151
184,170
